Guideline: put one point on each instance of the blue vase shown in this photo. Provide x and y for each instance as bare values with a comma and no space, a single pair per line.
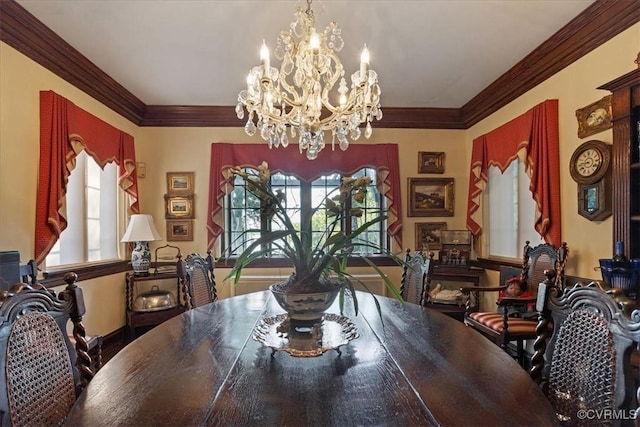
141,259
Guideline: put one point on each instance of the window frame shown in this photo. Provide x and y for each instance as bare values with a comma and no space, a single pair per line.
522,193
54,275
306,207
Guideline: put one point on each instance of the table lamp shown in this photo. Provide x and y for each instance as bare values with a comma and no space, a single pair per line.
141,230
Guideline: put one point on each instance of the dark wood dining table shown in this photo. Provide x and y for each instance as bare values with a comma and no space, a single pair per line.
415,366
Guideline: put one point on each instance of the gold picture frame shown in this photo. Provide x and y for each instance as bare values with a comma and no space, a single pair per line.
429,235
180,182
430,197
179,230
430,162
594,118
178,207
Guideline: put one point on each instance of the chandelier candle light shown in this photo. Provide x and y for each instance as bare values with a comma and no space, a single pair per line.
297,96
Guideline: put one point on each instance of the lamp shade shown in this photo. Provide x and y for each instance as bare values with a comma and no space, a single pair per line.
141,229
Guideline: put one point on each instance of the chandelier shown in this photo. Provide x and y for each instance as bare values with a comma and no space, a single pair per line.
301,94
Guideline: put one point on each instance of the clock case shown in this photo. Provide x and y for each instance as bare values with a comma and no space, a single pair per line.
603,149
594,191
594,200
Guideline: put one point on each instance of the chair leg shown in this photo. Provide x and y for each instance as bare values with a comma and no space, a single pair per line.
99,340
520,350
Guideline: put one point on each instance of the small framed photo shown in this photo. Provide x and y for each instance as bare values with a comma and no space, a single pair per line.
594,118
430,162
180,182
178,207
430,197
429,235
179,230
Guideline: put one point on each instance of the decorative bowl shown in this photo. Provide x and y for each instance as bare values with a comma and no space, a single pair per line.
303,307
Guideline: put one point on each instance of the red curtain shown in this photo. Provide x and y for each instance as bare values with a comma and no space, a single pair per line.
533,136
382,157
65,130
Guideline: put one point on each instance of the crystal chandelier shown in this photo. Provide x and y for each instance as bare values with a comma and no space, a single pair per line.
299,95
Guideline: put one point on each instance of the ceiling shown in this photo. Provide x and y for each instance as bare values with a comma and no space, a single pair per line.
428,53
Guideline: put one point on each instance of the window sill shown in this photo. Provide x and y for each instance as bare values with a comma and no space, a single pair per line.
55,278
380,261
495,263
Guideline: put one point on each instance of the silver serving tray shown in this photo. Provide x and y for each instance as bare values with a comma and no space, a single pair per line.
151,309
331,333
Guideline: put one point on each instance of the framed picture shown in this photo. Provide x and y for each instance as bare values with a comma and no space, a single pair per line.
178,207
430,162
179,230
430,197
180,182
594,118
428,235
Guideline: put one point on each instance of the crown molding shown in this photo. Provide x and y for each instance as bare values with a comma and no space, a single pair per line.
596,25
22,31
225,116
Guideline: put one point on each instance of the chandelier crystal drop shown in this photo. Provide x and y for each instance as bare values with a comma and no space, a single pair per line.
301,99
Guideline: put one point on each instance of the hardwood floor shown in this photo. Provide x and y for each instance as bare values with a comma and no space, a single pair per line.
111,347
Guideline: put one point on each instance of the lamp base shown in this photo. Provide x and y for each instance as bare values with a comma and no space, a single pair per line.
141,259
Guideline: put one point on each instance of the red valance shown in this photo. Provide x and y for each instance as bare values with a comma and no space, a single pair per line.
534,137
65,130
382,157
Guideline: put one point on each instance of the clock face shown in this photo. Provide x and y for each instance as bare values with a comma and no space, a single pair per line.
588,162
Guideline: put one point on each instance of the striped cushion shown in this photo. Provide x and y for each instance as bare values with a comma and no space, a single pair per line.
515,325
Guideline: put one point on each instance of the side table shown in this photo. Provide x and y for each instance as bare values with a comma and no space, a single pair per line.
137,319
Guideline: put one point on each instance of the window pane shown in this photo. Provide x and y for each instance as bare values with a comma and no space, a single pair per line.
511,211
301,200
92,209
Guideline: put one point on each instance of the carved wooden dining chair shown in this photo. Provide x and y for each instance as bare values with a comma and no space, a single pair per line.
500,327
416,277
587,336
42,374
29,275
199,284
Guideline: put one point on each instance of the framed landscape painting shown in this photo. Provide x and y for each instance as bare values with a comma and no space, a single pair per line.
178,207
428,235
180,182
430,162
179,230
430,197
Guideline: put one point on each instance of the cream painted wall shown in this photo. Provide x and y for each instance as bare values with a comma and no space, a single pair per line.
188,149
21,81
575,87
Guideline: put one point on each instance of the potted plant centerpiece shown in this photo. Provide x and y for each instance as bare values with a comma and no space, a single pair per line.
319,267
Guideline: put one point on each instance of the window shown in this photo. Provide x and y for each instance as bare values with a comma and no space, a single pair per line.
509,212
243,209
92,212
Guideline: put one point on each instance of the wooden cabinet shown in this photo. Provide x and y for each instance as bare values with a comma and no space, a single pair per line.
454,278
138,319
625,109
